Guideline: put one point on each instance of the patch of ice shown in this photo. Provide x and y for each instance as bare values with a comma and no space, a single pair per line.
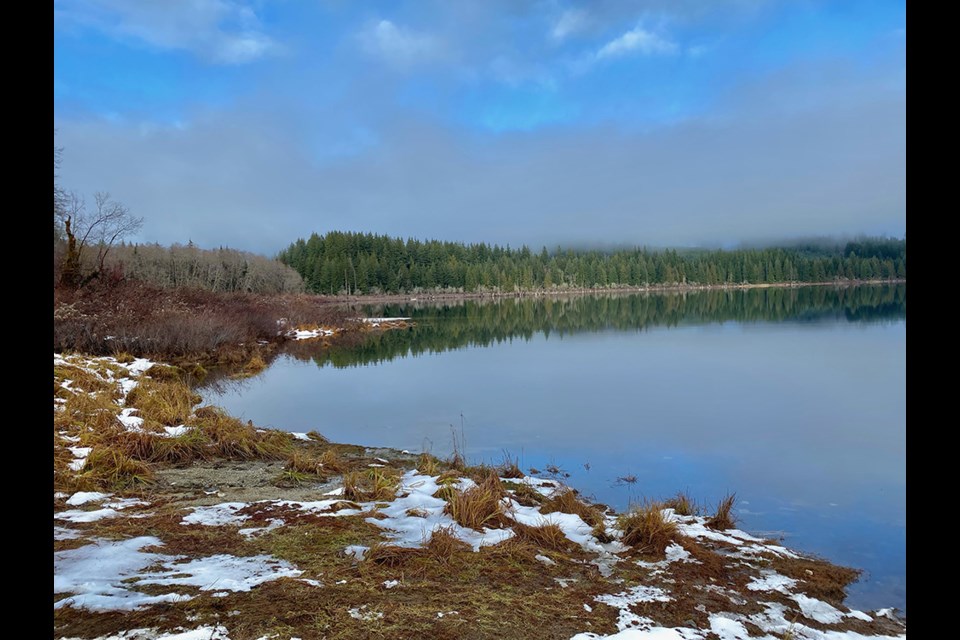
359,613
859,615
817,609
173,432
83,497
300,435
216,515
545,560
130,421
124,503
771,581
222,572
62,533
727,628
390,584
587,607
312,583
441,614
69,438
138,366
356,551
201,633
256,531
336,492
94,574
77,515
80,457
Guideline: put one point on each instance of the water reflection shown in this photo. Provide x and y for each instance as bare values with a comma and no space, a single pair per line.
794,399
447,326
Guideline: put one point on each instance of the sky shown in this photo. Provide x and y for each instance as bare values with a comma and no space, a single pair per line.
250,124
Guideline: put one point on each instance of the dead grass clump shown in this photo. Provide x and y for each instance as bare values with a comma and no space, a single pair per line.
333,463
567,502
526,495
647,529
165,402
723,518
96,412
376,484
444,544
165,372
82,379
682,504
428,464
230,438
480,506
304,463
191,445
389,555
545,536
253,366
509,467
600,532
316,436
108,467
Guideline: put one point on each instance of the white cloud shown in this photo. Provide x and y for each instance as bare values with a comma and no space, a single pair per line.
399,46
637,40
571,21
220,31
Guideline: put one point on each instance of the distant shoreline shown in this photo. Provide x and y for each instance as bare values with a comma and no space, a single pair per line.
381,298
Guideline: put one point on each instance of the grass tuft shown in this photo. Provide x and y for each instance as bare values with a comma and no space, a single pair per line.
480,506
647,529
682,504
723,518
377,484
509,467
107,467
428,464
547,536
444,544
567,502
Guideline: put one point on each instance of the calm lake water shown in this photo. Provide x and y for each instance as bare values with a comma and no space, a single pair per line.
793,399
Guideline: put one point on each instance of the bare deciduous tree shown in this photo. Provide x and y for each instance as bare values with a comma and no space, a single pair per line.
101,228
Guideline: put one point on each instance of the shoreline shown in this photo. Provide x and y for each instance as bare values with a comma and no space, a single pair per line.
440,296
382,543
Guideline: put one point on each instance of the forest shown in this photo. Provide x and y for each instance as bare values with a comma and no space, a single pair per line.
361,263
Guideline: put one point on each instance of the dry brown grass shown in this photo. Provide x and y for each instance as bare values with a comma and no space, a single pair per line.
509,468
333,463
723,518
376,484
428,464
568,502
682,504
444,544
107,467
164,402
646,529
230,438
304,463
389,555
547,536
526,495
480,506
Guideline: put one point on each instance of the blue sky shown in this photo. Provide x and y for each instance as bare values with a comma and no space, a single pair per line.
658,122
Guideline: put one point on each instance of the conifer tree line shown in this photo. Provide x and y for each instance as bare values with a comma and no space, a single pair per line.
359,263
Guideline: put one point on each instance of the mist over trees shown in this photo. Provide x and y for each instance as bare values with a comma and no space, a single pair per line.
346,262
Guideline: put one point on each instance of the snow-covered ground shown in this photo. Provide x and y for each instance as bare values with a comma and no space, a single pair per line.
133,570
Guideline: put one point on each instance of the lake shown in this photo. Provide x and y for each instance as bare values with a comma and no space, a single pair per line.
794,399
